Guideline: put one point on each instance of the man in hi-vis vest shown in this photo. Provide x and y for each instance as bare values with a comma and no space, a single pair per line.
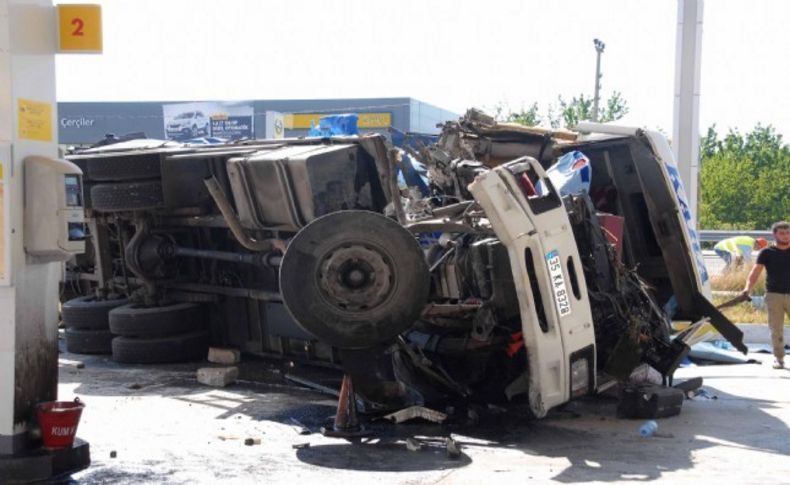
738,250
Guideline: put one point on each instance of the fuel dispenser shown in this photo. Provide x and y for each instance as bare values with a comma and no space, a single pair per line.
54,213
41,226
53,232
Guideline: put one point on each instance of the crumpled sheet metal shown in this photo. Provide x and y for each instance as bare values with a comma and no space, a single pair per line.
414,412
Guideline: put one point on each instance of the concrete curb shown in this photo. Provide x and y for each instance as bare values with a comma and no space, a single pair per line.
759,333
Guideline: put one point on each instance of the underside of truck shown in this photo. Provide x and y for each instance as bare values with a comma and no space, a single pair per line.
391,264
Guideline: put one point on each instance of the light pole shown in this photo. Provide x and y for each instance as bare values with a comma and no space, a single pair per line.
599,47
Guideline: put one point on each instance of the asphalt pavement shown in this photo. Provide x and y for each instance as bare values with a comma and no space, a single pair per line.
156,424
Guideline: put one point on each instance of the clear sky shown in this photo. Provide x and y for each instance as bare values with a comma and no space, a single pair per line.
454,54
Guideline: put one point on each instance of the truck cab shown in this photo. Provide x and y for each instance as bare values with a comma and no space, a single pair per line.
529,218
634,178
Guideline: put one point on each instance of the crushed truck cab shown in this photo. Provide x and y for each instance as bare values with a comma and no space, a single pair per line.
555,312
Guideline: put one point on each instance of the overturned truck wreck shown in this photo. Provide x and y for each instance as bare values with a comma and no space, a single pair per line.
464,270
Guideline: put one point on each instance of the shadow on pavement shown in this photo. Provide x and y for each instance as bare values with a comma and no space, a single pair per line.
596,445
386,456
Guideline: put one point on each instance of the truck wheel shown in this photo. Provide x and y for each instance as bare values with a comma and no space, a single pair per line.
354,279
138,321
124,168
79,341
177,348
88,313
127,196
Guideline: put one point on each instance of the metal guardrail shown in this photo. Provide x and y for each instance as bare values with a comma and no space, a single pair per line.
713,236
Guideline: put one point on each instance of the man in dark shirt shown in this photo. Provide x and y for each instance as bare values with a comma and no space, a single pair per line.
776,261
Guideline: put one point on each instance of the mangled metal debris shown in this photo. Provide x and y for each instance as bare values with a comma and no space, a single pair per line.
414,412
651,402
299,427
552,288
413,444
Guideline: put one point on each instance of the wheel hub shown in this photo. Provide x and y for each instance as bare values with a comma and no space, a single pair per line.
355,277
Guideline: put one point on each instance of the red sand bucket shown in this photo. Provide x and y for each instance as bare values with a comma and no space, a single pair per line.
58,421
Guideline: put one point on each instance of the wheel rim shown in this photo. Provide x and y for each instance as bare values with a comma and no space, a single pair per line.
355,277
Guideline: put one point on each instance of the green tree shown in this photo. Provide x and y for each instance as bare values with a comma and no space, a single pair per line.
565,113
616,107
573,111
744,179
528,117
724,180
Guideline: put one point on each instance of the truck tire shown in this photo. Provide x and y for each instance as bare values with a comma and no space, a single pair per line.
88,313
176,348
80,341
133,320
127,196
354,279
124,168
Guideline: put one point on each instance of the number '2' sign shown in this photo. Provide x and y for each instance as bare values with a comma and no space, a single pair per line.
79,28
78,24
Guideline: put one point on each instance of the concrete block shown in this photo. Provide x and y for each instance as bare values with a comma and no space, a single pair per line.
219,355
217,376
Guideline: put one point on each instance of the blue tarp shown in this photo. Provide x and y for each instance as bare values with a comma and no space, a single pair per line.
413,140
335,125
414,174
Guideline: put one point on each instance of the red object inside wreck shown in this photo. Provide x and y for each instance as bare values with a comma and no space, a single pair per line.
612,226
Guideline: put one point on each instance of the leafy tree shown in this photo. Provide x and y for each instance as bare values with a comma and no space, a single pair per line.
528,117
565,113
616,108
573,111
709,144
724,180
744,179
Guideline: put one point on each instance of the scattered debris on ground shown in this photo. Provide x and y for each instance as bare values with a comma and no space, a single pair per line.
217,376
225,356
299,427
413,445
414,412
453,448
650,402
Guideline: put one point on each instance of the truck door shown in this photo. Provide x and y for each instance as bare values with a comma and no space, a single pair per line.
527,214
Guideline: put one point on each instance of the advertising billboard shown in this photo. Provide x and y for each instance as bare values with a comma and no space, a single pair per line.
227,120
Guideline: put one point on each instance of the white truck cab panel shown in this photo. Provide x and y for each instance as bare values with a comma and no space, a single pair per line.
528,216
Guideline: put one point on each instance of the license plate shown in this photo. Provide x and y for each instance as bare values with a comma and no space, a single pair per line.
558,287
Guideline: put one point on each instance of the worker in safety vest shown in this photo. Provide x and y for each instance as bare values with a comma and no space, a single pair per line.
738,250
